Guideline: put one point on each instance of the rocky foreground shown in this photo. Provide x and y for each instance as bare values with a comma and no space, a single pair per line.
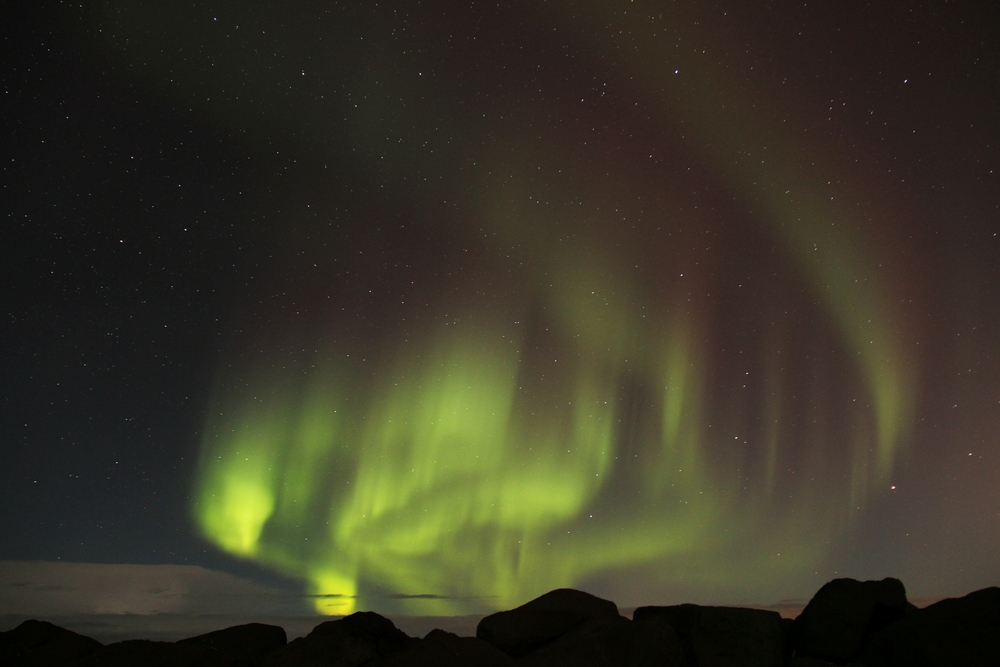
847,622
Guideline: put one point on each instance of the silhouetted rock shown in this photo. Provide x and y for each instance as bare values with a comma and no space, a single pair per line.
444,649
843,613
957,631
801,661
723,636
246,643
868,622
348,642
543,620
39,643
145,653
612,642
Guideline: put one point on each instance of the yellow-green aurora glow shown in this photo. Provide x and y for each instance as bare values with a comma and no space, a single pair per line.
473,470
590,424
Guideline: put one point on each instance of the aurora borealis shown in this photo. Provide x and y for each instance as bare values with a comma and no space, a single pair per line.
664,301
472,463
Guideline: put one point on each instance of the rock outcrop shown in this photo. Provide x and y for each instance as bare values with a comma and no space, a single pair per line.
535,624
723,636
958,631
246,643
145,653
444,649
611,642
842,615
848,623
352,641
38,643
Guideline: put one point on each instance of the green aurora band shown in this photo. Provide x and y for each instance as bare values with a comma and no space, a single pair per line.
472,475
474,472
446,482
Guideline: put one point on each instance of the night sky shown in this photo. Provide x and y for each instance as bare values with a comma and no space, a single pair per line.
433,307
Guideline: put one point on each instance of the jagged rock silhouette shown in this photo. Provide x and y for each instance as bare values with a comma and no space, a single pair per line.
843,613
535,624
42,643
723,635
847,622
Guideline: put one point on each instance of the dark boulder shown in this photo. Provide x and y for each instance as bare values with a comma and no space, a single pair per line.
444,649
843,613
145,653
801,661
723,636
612,642
957,631
247,643
531,626
39,643
348,642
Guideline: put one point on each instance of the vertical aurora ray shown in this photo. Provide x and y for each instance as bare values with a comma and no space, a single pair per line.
739,140
238,496
859,304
